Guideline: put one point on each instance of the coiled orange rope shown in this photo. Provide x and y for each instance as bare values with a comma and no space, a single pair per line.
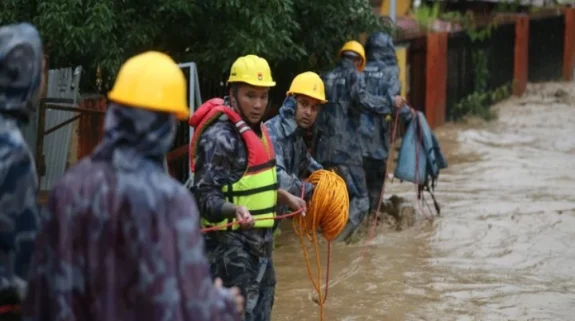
328,210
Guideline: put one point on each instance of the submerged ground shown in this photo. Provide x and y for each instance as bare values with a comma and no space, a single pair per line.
503,249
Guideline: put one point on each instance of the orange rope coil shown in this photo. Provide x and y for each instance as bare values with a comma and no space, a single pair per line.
328,210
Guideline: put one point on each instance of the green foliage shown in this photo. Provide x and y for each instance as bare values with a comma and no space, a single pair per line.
508,6
326,24
213,33
426,15
478,103
101,33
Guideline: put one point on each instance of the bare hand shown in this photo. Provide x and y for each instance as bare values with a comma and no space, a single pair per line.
295,204
244,217
399,101
236,294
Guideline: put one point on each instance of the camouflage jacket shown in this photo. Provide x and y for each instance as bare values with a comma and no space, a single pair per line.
21,50
121,240
338,123
293,160
382,79
221,159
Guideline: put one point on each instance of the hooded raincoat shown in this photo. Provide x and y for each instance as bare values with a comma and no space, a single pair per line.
121,240
20,82
292,158
382,79
338,137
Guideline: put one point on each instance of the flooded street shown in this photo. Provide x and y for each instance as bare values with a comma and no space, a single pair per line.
503,249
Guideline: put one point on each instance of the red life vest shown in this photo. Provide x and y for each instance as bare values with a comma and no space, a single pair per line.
260,156
257,188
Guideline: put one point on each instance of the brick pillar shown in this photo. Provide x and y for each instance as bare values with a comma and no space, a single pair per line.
436,78
521,54
91,125
569,47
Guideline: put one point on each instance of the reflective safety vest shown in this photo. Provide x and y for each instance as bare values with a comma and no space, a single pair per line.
257,188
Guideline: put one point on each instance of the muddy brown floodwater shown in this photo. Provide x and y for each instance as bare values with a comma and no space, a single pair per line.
503,249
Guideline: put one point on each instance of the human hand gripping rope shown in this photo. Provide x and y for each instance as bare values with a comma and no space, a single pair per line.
327,210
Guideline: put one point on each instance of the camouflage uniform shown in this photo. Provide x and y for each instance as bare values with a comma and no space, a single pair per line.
382,79
241,257
293,160
20,78
121,240
338,136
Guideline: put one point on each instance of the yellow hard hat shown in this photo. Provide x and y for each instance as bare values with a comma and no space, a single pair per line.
310,84
252,70
356,47
152,80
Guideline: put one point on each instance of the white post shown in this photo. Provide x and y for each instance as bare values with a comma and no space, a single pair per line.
392,9
195,101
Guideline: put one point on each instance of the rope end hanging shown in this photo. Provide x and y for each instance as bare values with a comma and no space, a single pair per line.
328,210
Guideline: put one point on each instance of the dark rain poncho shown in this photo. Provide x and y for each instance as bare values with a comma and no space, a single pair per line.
121,240
20,78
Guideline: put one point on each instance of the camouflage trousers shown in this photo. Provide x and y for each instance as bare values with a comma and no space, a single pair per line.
375,178
255,276
354,177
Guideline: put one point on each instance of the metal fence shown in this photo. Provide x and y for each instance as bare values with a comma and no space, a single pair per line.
461,67
546,41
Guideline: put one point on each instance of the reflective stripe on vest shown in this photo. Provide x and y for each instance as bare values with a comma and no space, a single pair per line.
257,188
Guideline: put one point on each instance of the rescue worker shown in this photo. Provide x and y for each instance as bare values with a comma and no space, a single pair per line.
21,83
297,115
382,79
121,239
337,143
232,158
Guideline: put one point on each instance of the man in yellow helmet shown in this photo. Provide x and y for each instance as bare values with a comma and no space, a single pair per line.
121,239
297,115
338,137
235,183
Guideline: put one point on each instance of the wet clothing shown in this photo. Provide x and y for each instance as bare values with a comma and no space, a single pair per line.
338,123
257,189
338,133
121,240
375,172
293,160
235,256
382,79
21,51
254,275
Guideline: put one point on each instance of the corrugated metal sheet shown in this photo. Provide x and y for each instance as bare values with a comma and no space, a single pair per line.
62,83
194,101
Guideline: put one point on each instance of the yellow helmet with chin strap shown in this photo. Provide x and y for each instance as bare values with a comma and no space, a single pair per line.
152,80
252,70
309,84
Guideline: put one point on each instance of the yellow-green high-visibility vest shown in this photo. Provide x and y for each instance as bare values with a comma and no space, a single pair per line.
257,188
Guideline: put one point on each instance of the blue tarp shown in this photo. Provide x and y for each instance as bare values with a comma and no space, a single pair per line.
419,148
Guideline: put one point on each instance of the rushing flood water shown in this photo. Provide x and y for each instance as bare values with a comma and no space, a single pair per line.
503,249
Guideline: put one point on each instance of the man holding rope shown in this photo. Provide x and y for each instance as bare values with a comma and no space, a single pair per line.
296,116
235,183
382,79
339,145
